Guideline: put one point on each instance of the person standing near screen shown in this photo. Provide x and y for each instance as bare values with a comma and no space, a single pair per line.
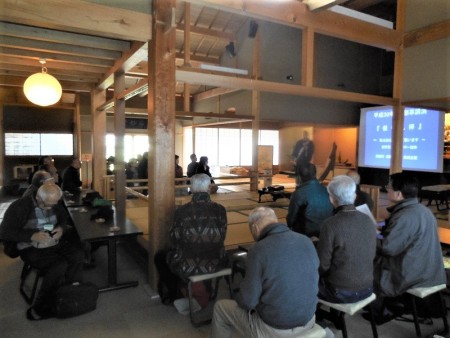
302,152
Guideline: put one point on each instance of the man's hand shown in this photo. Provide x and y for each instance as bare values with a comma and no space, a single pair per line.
57,232
40,236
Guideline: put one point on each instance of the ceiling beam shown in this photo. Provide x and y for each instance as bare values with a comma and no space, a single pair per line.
436,31
50,35
213,115
282,88
296,14
199,58
137,53
52,64
21,68
208,32
67,86
61,77
213,93
55,56
320,5
80,17
60,48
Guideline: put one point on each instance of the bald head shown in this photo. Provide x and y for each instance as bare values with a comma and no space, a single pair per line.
48,196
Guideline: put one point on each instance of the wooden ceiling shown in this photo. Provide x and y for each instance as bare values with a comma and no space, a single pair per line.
84,43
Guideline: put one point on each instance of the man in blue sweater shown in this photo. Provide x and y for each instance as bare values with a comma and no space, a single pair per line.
278,295
310,204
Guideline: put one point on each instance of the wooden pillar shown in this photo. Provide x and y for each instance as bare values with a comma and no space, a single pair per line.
187,35
77,128
119,162
161,129
308,57
398,110
98,139
256,98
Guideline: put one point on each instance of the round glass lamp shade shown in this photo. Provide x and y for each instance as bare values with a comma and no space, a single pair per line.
42,89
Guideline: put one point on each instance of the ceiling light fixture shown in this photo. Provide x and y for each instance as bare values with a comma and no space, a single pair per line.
42,88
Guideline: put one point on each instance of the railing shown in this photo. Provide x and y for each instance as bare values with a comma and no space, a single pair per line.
108,185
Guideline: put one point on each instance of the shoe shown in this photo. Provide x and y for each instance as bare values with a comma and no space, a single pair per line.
379,320
32,314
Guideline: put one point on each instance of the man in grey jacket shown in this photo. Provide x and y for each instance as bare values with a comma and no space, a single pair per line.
278,295
409,254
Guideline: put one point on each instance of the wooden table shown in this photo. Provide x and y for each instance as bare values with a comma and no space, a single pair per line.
92,231
444,235
74,200
439,193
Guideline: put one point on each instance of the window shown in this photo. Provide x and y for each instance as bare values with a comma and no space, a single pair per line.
38,144
225,146
229,146
134,145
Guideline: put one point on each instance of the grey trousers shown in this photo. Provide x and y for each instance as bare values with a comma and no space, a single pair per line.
228,316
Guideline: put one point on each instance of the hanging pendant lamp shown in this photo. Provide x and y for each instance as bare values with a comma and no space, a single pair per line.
42,88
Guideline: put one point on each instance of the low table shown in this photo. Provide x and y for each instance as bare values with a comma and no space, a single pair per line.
276,194
439,193
91,231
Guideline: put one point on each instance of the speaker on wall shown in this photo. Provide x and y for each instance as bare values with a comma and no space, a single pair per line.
253,29
230,50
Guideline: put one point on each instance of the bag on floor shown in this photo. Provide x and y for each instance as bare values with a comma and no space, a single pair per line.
75,299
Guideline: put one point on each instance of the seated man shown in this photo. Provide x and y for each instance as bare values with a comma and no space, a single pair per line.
197,237
40,177
361,196
37,226
71,181
309,205
409,254
192,167
278,295
346,248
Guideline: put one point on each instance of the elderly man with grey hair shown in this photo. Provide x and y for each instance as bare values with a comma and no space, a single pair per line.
346,248
37,227
40,177
278,296
197,241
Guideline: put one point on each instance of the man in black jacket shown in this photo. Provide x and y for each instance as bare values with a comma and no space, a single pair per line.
37,226
71,181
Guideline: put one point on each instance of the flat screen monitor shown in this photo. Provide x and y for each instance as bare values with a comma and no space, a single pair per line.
423,138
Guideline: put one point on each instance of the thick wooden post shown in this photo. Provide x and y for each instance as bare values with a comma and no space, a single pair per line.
161,129
256,98
398,110
119,162
98,97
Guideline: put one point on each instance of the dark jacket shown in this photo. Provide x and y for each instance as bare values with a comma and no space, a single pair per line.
71,181
13,228
363,198
409,255
347,249
192,169
197,237
309,207
281,279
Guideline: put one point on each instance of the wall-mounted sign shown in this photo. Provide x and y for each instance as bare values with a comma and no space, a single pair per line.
86,157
